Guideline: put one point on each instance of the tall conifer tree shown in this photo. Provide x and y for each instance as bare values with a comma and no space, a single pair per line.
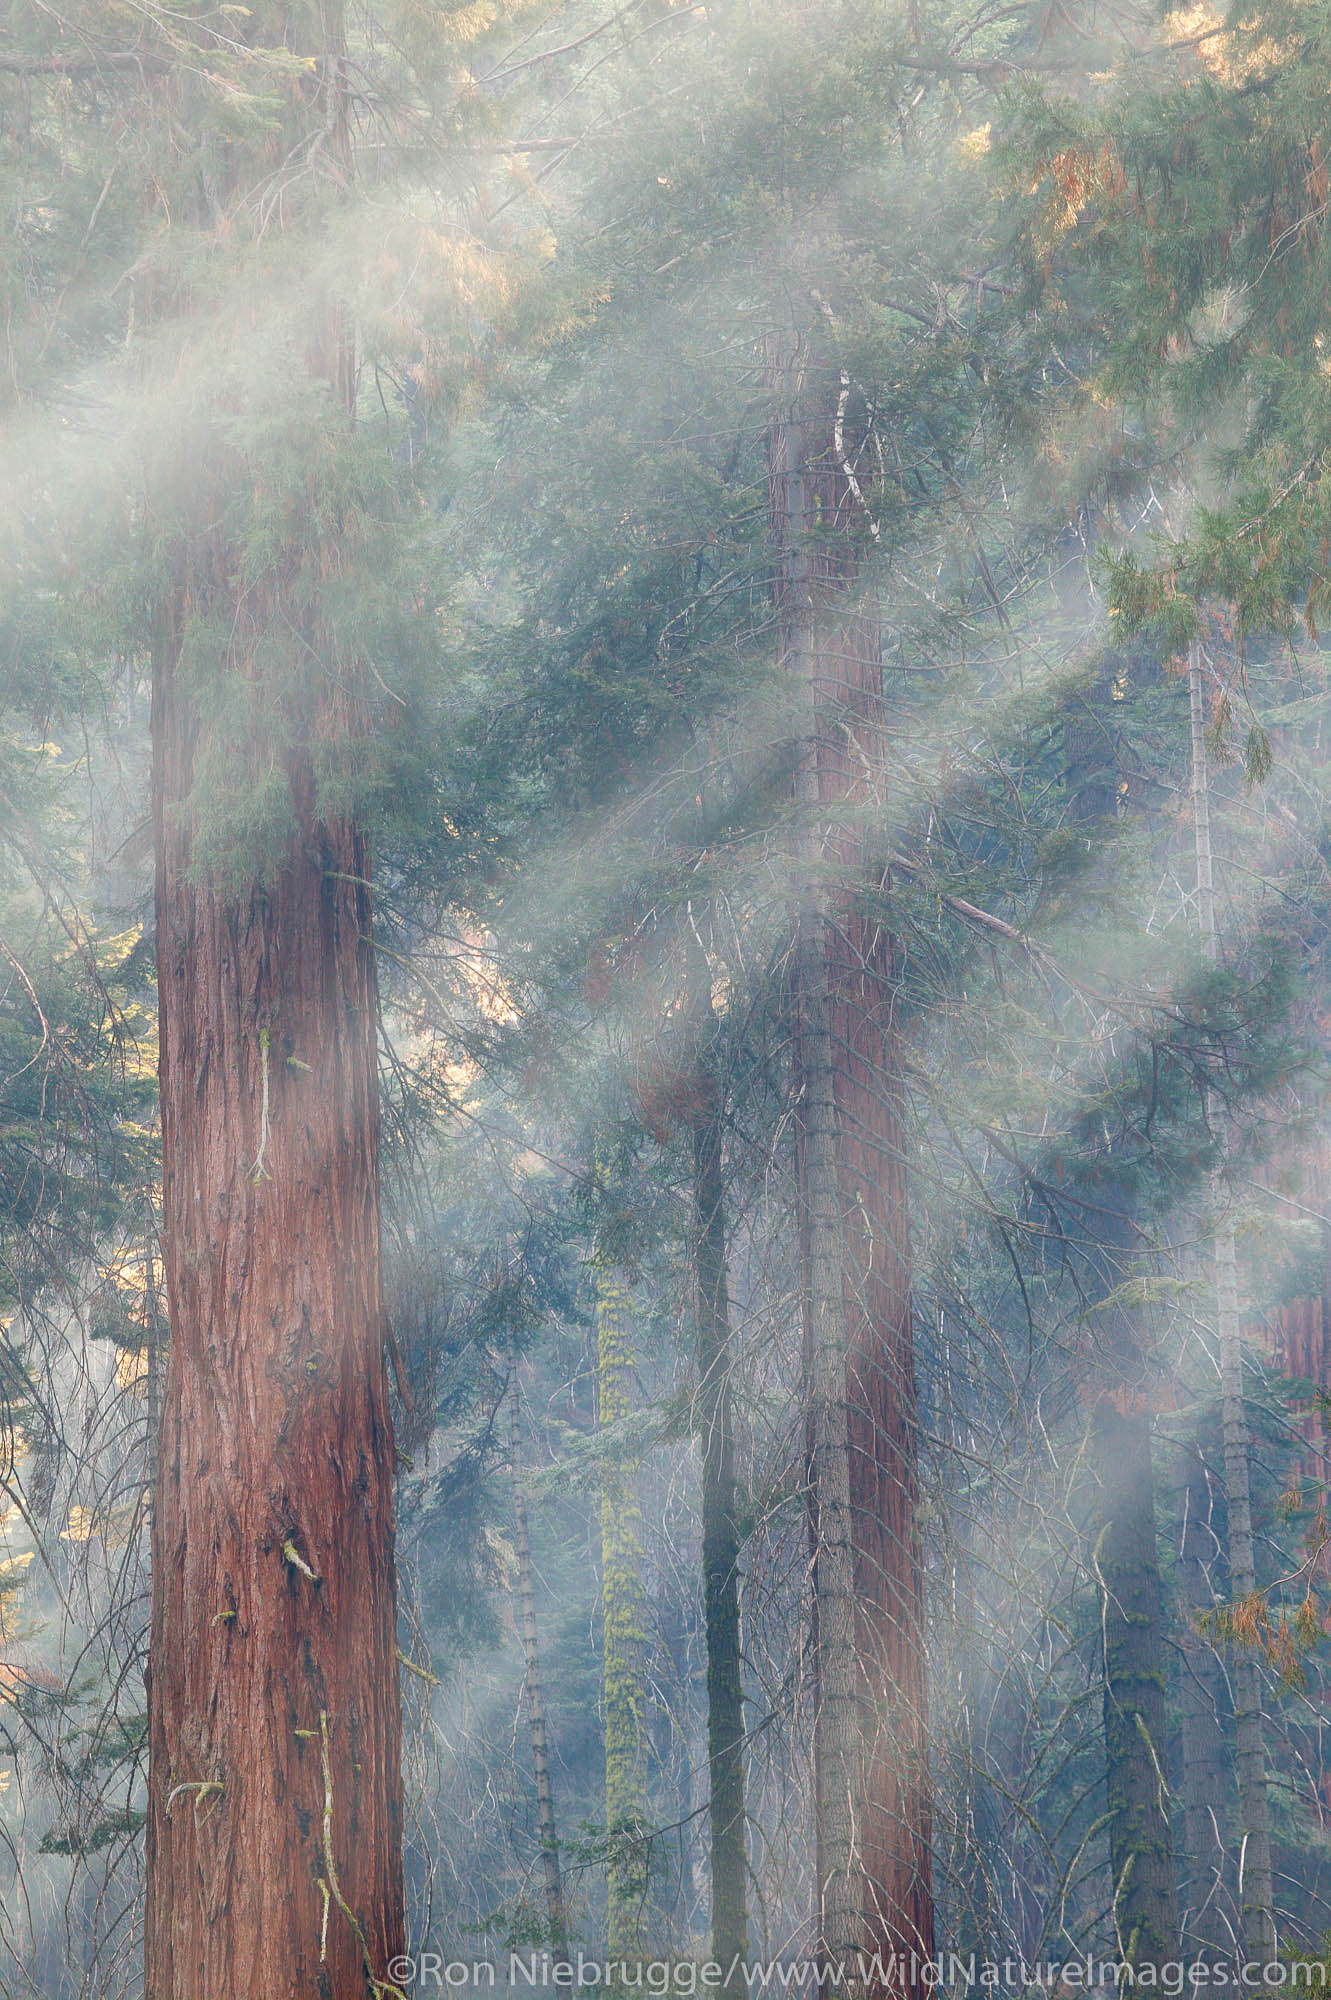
274,1813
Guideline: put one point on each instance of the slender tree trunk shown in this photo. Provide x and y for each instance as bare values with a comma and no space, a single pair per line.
536,1718
1201,1692
1127,1568
274,1809
622,1595
720,1542
1257,1891
1126,1556
874,1874
670,1748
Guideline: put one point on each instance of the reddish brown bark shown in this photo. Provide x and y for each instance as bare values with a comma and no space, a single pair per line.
274,1727
884,1484
1300,1340
845,966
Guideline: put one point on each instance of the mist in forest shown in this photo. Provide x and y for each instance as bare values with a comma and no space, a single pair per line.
663,1240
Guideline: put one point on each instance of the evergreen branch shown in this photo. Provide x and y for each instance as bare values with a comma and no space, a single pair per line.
84,62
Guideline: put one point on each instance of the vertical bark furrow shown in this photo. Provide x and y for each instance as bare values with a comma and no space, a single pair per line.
870,1738
273,1614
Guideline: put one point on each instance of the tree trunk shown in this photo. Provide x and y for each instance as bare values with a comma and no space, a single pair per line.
535,1688
274,1812
621,1591
1127,1568
1201,1692
720,1545
1257,1893
1126,1558
870,1745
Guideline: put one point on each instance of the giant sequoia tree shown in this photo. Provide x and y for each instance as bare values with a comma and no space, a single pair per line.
274,1809
274,1773
782,842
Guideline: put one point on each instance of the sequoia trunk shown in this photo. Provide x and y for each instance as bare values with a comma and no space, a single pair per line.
274,1811
870,1750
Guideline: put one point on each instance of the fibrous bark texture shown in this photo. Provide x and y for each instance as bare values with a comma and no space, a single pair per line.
870,1729
274,1813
